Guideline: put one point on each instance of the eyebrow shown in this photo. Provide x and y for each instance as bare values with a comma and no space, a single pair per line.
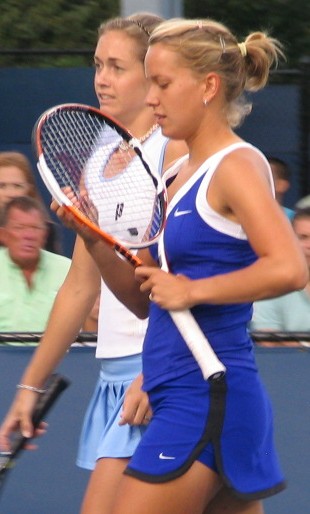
109,60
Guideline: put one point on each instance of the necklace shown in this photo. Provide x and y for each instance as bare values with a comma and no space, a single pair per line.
123,146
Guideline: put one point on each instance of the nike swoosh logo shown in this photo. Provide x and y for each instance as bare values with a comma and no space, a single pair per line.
167,457
181,213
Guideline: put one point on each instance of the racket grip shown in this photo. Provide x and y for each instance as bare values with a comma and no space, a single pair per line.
54,387
211,367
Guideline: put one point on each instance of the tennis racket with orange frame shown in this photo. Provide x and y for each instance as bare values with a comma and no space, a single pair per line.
95,169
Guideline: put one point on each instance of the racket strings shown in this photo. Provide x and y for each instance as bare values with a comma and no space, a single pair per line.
103,176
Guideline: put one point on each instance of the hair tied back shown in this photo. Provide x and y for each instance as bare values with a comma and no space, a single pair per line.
243,49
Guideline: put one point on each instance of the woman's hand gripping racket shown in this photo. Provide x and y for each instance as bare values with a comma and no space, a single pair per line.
95,169
54,387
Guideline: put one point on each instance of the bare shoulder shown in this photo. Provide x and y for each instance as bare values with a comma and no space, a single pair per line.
242,184
245,162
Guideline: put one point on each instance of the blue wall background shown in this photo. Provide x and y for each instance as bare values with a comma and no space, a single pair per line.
47,481
273,124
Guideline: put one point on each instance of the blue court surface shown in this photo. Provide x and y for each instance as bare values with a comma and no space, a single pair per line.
47,481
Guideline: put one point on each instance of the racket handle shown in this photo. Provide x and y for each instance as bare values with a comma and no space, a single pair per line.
210,365
55,385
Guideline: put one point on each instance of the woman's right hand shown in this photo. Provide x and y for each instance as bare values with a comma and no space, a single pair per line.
18,418
89,236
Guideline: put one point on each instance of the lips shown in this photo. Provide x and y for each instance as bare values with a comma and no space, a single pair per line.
103,98
159,118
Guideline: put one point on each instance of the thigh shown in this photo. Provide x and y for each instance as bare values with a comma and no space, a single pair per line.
225,503
103,486
186,494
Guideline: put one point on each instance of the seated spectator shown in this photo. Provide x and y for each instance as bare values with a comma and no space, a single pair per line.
29,276
290,312
282,181
17,179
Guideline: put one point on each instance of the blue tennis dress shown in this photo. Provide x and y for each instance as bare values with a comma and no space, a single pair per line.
226,424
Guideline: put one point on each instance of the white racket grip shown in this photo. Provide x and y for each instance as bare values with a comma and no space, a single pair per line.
210,365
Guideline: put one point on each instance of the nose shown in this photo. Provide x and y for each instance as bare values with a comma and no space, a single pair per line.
102,76
151,99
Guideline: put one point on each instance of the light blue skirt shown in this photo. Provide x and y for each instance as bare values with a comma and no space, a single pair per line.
101,434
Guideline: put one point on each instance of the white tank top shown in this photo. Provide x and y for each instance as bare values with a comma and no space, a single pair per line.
120,332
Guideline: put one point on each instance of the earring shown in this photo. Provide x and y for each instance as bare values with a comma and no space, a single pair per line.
205,102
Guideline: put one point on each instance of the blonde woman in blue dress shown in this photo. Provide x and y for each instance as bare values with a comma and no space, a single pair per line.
209,447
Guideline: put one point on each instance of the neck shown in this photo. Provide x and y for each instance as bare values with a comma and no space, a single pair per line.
28,273
140,124
204,144
28,269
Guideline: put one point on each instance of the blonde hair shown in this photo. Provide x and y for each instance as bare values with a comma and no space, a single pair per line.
138,26
206,45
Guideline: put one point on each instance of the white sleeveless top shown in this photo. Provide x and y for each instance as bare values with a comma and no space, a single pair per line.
120,332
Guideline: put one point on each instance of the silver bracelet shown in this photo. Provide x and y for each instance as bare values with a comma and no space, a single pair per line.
30,388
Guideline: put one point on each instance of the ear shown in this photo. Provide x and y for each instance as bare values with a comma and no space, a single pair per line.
212,83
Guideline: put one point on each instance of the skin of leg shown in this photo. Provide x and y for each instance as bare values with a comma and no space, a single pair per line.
186,494
224,502
103,486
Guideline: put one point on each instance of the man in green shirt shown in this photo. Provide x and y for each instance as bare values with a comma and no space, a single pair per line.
290,312
29,276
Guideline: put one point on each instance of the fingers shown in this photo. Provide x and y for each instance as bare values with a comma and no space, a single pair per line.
26,427
19,419
169,291
38,432
141,417
147,418
136,407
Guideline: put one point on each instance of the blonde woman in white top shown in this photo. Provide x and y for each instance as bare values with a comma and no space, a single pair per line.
121,88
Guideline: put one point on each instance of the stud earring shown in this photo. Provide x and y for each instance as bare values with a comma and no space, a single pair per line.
205,102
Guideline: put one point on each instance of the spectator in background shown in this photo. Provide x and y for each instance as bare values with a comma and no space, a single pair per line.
282,182
290,312
29,276
17,179
303,202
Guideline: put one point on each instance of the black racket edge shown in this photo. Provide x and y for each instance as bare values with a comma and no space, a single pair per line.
55,385
118,127
94,111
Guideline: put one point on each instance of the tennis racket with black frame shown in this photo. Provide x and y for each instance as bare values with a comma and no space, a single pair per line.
96,170
55,385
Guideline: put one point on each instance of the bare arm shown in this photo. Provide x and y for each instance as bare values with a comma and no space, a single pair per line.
240,191
72,304
117,273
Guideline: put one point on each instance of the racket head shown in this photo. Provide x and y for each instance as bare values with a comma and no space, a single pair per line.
92,165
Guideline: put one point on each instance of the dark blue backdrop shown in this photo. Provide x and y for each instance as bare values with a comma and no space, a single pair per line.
25,93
